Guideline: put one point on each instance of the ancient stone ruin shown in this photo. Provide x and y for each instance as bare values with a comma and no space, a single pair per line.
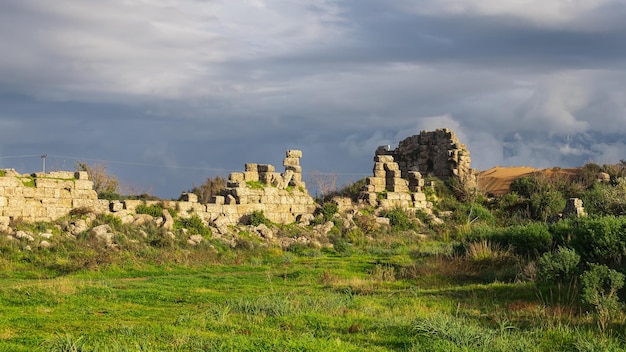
398,180
282,197
399,173
44,197
434,153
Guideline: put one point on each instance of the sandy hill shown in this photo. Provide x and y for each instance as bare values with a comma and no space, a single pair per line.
497,180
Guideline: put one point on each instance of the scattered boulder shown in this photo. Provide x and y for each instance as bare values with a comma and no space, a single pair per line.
24,235
264,231
195,240
46,235
142,219
45,244
103,233
168,221
323,229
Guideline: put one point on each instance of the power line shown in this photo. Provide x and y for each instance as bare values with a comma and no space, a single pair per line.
19,156
134,163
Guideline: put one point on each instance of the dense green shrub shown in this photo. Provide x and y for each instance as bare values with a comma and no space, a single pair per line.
154,210
559,266
399,220
329,209
258,217
194,226
600,287
606,199
597,240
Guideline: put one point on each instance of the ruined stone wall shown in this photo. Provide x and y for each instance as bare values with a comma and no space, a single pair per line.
434,153
282,197
44,197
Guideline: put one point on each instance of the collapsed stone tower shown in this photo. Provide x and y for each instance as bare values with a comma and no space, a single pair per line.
434,153
398,173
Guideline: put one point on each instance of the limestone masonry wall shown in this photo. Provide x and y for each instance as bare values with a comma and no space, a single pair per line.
282,197
44,197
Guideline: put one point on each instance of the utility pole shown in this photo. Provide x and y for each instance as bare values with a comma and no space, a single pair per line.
43,160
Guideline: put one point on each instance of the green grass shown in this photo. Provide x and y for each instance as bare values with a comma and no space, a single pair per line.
328,302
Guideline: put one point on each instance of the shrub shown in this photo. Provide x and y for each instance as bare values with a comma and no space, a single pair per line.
257,218
606,199
598,240
194,225
559,266
328,210
154,210
399,220
600,286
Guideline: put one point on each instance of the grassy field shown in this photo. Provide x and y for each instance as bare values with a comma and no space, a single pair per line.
407,298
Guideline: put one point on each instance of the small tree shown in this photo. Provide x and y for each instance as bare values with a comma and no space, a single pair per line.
103,182
210,188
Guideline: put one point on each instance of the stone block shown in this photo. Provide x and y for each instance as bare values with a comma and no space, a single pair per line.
79,202
219,200
375,181
83,184
115,206
3,202
294,153
251,167
251,176
295,169
291,162
81,175
9,182
419,197
199,208
131,205
62,174
265,168
380,173
391,166
189,197
399,188
236,177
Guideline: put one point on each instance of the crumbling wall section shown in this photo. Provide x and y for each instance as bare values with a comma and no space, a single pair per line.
282,197
434,153
44,197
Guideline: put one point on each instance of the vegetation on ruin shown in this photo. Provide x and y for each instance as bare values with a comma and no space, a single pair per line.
478,274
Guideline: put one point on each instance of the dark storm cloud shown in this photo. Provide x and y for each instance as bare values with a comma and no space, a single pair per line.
172,92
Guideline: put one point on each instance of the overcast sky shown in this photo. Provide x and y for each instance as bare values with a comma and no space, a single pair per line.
170,92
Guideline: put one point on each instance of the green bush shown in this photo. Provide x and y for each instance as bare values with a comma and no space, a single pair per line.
606,199
154,210
328,210
600,287
399,220
559,266
597,240
257,218
194,226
